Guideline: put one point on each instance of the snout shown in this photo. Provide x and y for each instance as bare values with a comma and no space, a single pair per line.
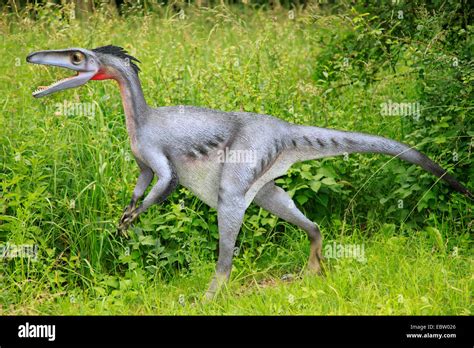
32,57
53,58
40,57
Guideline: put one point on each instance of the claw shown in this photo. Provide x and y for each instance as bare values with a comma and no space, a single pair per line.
126,212
122,230
126,220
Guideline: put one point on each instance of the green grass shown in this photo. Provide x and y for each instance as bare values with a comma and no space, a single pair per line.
66,179
401,276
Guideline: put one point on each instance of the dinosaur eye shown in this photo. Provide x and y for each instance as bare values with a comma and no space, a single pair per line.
77,57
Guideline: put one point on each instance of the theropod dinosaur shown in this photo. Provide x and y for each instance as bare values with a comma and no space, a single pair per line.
185,144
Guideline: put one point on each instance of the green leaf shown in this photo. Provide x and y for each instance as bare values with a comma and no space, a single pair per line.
327,172
99,290
146,240
112,282
315,185
301,199
329,181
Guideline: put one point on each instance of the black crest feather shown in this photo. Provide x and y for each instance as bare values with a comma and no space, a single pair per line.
120,53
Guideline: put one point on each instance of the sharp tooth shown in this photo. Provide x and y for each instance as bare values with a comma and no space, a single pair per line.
42,88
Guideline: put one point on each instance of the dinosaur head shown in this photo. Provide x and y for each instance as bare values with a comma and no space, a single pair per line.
107,62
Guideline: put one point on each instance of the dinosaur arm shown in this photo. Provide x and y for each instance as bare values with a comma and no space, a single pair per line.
166,184
143,181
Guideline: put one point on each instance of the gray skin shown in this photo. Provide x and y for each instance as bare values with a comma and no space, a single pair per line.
187,144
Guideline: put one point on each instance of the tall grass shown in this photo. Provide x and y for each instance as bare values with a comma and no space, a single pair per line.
66,178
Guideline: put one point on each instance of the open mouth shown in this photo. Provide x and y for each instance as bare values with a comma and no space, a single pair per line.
80,78
41,89
71,59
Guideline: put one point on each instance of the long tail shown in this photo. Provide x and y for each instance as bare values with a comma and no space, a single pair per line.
324,142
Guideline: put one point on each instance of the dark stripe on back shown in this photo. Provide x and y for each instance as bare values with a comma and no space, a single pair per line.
212,143
254,173
277,146
202,150
307,140
269,158
350,141
262,163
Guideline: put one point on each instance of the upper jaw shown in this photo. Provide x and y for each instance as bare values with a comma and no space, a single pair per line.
62,58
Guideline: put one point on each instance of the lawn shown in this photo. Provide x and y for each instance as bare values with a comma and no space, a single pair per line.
67,171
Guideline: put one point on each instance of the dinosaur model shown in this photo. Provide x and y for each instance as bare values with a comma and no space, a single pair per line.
184,144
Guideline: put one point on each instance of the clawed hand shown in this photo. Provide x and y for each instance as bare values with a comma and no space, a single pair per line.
129,215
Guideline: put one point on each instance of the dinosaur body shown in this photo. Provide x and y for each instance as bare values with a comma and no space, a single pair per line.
202,137
194,147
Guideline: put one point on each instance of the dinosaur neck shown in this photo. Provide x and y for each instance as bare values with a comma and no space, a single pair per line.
133,101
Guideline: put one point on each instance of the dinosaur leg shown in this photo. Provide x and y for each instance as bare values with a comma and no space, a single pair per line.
230,214
236,178
275,200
